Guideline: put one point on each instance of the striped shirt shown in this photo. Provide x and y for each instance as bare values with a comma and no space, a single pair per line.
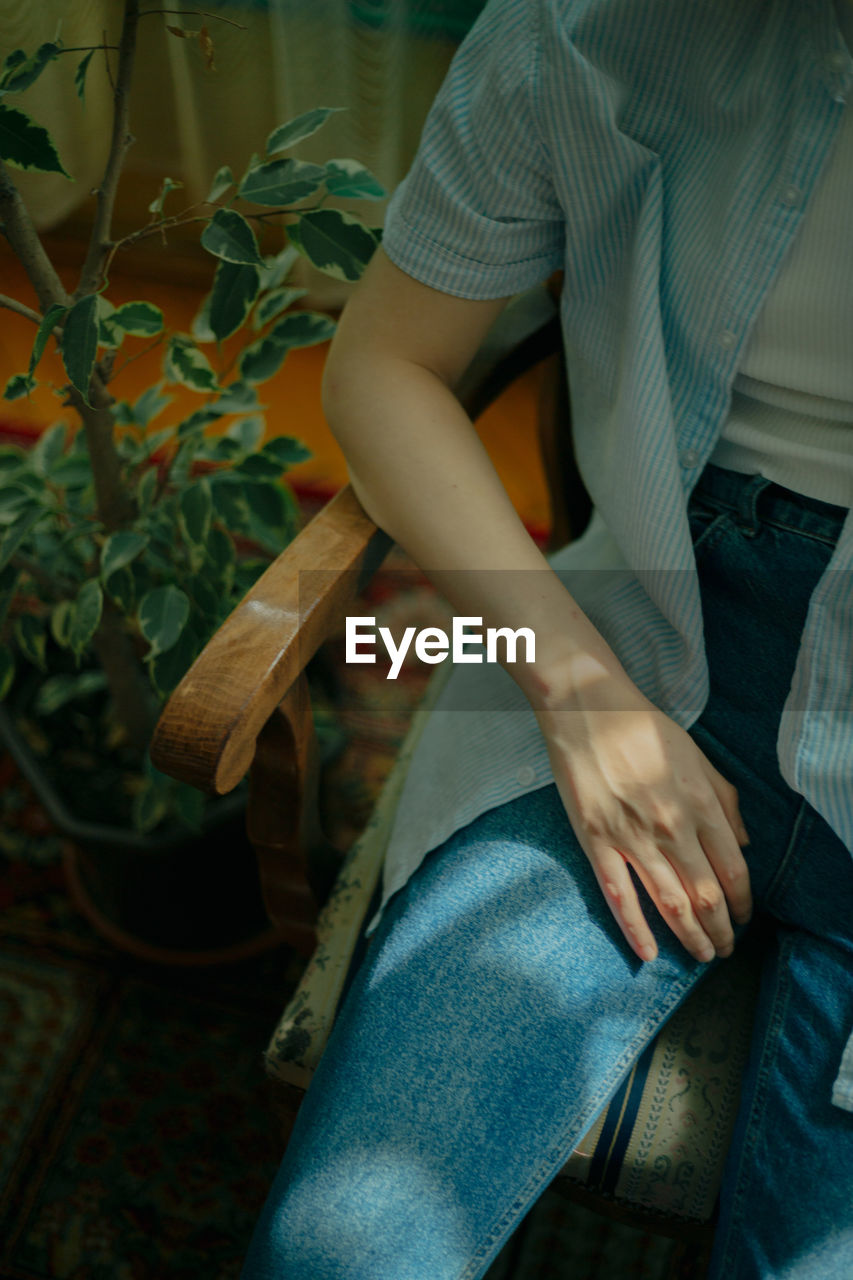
662,155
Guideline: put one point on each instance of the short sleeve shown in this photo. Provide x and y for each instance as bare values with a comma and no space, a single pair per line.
477,215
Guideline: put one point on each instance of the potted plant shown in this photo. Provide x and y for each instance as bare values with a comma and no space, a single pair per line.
124,543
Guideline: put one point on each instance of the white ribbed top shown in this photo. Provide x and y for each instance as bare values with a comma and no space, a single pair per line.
791,416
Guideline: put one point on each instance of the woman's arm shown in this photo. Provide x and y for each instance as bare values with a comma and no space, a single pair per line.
636,787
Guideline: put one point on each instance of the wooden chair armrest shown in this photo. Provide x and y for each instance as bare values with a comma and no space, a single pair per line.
208,731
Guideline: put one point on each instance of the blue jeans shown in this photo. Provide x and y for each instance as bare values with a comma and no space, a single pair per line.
499,1007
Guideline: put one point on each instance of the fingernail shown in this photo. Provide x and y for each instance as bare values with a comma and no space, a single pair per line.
706,955
648,953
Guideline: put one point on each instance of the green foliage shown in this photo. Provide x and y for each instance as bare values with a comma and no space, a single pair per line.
281,182
209,505
80,343
338,243
25,144
287,135
229,236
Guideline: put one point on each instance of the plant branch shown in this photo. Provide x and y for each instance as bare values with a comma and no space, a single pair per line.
144,352
11,304
144,232
107,62
132,694
115,505
194,13
99,242
86,48
26,244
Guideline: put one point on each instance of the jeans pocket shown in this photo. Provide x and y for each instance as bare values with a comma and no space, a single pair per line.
706,521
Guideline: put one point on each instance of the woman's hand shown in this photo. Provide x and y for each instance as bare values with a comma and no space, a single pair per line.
638,791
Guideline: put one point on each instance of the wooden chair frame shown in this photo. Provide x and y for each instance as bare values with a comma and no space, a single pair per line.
244,705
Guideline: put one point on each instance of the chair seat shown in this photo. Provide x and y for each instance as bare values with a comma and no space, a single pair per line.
661,1142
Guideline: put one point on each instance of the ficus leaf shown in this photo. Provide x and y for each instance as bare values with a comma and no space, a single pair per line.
26,145
169,184
20,384
59,690
163,614
168,667
146,489
200,325
119,549
286,450
13,59
142,319
239,397
273,303
27,71
277,268
80,75
287,135
248,433
150,805
80,343
303,329
60,622
121,588
87,615
229,236
48,449
17,533
262,359
186,364
31,639
336,242
235,287
196,507
281,182
349,179
49,321
151,403
222,180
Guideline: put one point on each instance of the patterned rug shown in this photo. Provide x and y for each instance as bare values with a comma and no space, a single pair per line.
137,1134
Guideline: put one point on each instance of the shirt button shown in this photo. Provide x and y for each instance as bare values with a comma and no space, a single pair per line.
791,196
727,339
525,775
837,60
689,458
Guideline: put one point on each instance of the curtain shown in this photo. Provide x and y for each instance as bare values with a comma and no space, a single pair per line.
380,60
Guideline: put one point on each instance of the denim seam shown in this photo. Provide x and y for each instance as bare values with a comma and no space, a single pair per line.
497,1233
788,862
757,1112
716,527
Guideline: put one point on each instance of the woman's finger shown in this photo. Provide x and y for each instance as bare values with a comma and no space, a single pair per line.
722,843
614,880
672,899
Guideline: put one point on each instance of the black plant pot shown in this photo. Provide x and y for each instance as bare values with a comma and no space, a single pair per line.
179,897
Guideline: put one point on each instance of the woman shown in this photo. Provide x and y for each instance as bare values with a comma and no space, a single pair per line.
688,168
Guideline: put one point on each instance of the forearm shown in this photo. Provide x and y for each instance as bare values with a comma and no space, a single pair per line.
421,472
